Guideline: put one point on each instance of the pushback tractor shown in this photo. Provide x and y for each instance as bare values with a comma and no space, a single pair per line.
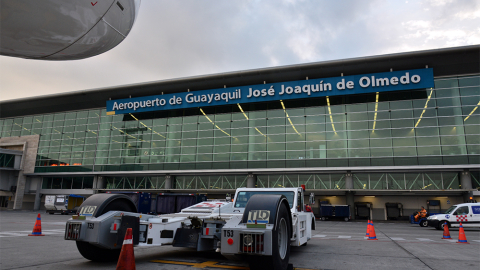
259,226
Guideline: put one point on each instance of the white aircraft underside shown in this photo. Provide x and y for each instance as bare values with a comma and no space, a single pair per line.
64,29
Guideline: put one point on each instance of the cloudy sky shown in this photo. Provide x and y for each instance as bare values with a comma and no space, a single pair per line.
175,39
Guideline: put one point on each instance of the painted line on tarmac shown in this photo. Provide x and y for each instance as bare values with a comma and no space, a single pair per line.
424,239
320,235
381,239
344,236
202,265
26,233
215,265
397,239
54,223
12,234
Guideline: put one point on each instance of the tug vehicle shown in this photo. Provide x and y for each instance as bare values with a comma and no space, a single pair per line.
259,226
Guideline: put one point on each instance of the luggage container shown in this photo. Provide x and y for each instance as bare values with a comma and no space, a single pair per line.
328,211
142,200
168,203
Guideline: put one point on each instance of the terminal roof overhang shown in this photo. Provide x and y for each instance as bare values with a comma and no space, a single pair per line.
325,192
445,62
273,171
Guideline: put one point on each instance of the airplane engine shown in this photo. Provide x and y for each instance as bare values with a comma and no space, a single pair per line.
63,29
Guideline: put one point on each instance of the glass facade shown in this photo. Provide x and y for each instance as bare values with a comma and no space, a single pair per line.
438,126
67,182
368,181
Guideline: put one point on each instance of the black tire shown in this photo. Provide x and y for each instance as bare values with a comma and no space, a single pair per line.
423,223
442,224
280,244
98,254
346,219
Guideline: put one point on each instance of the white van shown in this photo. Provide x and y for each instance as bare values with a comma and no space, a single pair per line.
466,213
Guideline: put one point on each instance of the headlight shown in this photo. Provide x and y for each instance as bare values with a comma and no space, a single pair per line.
247,239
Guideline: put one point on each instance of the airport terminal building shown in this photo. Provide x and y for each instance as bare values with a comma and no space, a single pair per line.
400,128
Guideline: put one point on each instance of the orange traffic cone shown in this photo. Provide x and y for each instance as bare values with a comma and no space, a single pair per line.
446,232
368,228
371,232
126,261
461,236
37,228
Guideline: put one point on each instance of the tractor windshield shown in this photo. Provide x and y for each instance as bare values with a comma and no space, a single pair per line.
244,196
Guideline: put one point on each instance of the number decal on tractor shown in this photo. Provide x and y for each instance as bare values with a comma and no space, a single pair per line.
259,216
91,225
228,233
87,210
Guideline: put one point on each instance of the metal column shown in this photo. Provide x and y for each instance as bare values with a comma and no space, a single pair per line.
351,202
168,182
251,181
38,195
349,194
466,182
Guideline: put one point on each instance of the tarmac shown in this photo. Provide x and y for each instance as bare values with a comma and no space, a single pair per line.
334,245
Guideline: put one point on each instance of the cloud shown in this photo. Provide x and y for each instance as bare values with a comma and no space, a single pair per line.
175,39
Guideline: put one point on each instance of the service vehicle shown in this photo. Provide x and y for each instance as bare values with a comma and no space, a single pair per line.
63,204
260,226
466,213
433,208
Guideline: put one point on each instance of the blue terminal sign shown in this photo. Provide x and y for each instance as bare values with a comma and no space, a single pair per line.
345,85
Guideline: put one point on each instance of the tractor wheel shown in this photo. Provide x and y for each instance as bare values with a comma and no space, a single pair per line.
98,254
423,223
280,244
